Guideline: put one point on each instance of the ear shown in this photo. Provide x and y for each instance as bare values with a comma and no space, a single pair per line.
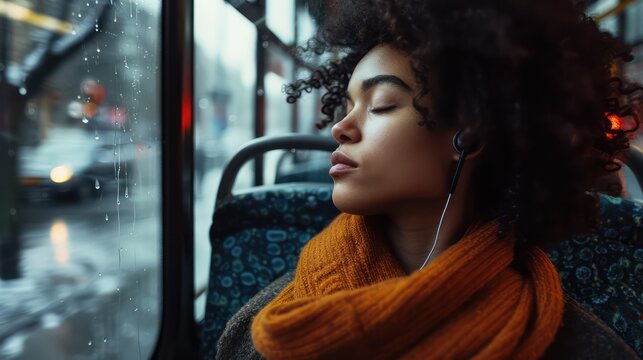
467,140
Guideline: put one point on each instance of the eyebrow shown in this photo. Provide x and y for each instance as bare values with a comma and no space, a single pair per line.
380,79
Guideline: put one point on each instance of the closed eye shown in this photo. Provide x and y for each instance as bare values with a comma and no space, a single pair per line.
384,109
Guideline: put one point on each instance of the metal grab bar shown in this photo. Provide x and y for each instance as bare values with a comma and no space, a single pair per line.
261,145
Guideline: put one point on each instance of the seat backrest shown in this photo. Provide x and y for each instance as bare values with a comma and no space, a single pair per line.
302,165
256,236
604,271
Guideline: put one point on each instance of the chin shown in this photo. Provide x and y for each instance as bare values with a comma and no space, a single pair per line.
351,204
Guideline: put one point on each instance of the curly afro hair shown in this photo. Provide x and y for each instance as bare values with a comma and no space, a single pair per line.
533,79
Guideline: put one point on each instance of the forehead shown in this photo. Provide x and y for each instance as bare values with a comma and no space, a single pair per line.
382,60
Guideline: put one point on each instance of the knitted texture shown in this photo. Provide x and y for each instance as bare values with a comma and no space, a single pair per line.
351,299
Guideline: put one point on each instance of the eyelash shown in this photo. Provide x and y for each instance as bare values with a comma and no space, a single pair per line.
382,110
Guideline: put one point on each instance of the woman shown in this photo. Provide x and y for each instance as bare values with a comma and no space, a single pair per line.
471,134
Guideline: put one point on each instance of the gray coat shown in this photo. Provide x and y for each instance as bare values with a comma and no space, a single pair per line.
582,335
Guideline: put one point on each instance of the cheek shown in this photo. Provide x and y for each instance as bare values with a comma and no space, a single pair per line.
406,159
415,176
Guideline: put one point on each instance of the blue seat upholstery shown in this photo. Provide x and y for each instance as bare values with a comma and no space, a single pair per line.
256,237
604,271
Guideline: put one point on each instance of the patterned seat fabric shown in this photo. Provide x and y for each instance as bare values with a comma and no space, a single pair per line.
604,271
256,238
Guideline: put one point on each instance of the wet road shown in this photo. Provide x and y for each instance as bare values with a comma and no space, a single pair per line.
89,285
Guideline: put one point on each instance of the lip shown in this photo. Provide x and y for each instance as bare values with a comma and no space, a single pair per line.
341,164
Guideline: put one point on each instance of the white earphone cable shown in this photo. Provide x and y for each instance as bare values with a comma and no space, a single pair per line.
437,233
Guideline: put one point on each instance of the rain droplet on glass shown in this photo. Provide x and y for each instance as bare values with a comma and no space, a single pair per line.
104,339
118,202
22,91
96,184
89,343
80,15
96,137
97,50
106,217
126,192
85,120
135,310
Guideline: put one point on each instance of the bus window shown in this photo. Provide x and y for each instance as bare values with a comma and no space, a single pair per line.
280,15
244,55
224,117
623,22
633,25
279,71
80,240
632,33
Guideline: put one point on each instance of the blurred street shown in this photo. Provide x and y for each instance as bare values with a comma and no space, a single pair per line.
77,258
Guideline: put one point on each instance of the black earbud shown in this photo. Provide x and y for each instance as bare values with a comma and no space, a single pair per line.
463,143
457,142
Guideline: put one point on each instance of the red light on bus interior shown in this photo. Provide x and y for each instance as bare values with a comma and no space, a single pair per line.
616,124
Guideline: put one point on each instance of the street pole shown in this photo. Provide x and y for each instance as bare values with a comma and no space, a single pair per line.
11,103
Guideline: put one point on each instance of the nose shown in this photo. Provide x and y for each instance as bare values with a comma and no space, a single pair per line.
346,131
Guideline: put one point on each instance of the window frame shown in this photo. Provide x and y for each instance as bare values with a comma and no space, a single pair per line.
178,334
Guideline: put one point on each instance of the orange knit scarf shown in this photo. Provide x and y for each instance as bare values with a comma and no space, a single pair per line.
351,299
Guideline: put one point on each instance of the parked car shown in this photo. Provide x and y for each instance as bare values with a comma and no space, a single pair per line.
73,163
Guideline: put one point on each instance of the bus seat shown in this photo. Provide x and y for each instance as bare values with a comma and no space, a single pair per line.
257,234
604,271
302,165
